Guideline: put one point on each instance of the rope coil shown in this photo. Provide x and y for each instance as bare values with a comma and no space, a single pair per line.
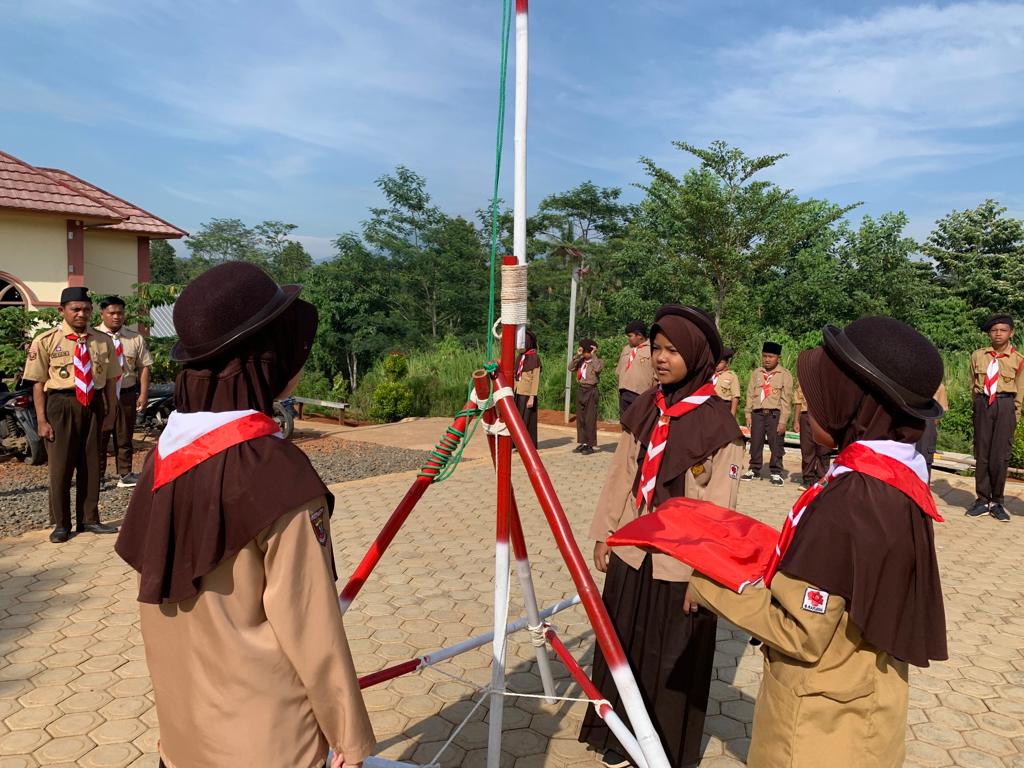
513,294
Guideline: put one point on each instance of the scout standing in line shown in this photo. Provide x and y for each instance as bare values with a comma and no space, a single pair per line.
769,395
678,439
634,371
727,383
926,445
998,391
73,369
852,591
229,529
813,457
132,388
527,384
588,367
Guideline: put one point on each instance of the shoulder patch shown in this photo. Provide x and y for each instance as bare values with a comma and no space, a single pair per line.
33,352
815,600
734,471
317,520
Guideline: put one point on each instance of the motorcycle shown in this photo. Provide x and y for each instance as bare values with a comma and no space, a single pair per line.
160,403
19,430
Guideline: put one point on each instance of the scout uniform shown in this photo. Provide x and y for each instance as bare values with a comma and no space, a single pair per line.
526,384
635,373
134,357
813,457
727,383
926,445
588,373
76,425
998,390
769,395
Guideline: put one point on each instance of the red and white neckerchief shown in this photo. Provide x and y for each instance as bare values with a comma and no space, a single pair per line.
992,374
119,350
83,368
522,362
581,372
896,464
766,386
189,439
659,439
632,354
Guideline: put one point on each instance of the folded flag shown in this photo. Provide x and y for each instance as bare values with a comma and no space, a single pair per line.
727,546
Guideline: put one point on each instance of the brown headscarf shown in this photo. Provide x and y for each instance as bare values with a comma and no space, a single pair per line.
862,538
529,362
183,531
707,428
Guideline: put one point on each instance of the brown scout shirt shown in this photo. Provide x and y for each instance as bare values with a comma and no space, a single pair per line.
136,354
51,358
1010,368
256,668
528,383
639,377
781,397
717,482
941,397
825,691
727,385
596,365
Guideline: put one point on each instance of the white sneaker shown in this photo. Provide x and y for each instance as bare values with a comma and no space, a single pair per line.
777,480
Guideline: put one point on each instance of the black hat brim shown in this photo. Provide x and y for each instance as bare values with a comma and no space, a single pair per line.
270,312
843,350
698,318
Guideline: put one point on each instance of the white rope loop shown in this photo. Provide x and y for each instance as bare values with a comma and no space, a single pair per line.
513,294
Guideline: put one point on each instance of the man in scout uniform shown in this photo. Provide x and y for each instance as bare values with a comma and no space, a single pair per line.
769,395
131,389
727,383
998,391
634,372
71,367
588,367
813,457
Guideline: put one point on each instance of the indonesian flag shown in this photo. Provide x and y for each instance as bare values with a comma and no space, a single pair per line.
191,438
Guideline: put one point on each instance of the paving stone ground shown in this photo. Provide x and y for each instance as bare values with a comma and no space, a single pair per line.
74,688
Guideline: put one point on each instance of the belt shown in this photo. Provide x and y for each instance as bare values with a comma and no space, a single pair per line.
132,388
998,394
767,410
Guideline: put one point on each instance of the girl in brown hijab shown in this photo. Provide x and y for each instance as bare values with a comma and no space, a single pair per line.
527,384
229,529
678,439
853,593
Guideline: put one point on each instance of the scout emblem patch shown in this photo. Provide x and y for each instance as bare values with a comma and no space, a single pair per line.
734,471
316,519
697,470
64,372
815,600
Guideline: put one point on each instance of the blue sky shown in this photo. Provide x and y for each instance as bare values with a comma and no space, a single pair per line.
196,109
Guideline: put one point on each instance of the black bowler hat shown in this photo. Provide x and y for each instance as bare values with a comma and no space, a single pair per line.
75,293
996,320
223,306
892,359
772,348
698,317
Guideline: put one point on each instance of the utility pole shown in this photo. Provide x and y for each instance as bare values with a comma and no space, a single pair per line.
577,272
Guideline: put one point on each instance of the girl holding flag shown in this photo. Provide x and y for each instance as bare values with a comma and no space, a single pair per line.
853,593
678,439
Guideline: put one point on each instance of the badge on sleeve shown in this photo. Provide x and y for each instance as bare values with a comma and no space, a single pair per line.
815,600
33,352
317,520
734,471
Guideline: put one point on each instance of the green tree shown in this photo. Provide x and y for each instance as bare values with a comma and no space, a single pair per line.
164,265
291,263
220,240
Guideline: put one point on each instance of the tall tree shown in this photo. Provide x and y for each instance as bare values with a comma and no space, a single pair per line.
164,265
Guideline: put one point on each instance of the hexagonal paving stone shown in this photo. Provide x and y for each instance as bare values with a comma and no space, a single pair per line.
89,701
32,717
926,755
64,749
23,742
938,735
75,724
972,758
110,756
117,731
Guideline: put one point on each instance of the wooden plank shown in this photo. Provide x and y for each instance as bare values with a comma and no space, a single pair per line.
321,403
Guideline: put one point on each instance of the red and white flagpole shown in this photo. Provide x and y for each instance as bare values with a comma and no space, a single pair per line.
519,148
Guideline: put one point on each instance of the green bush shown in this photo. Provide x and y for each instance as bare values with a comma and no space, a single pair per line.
392,401
1017,451
396,367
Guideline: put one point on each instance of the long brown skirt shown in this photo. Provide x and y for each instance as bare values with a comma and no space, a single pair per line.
671,654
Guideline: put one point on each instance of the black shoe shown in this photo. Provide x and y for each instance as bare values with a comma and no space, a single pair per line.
997,511
613,759
980,508
587,450
777,480
60,535
749,475
128,481
97,528
579,448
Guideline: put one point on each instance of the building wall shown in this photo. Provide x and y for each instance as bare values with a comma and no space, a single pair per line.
111,261
33,250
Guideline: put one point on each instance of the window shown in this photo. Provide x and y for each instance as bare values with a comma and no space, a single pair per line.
10,295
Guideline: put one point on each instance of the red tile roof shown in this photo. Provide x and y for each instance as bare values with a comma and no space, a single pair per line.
23,187
134,218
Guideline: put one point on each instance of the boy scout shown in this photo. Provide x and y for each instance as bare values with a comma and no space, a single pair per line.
926,445
813,457
727,383
634,372
998,391
131,389
769,395
588,367
70,368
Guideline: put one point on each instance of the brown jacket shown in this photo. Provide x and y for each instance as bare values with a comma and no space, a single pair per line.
256,668
717,481
136,355
638,375
594,368
1011,373
781,397
827,697
528,383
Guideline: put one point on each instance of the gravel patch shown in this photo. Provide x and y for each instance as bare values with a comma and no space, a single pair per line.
24,490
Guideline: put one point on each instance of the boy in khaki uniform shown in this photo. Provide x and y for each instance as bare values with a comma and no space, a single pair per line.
813,457
926,445
634,372
588,367
998,390
727,383
769,395
73,369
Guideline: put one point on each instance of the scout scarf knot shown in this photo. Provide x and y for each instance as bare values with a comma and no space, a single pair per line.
119,350
522,362
83,368
191,438
992,374
659,437
766,386
896,464
632,354
581,372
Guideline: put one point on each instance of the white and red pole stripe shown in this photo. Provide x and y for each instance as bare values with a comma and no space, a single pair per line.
519,145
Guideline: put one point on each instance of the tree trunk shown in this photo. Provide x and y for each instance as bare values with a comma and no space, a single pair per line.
353,371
